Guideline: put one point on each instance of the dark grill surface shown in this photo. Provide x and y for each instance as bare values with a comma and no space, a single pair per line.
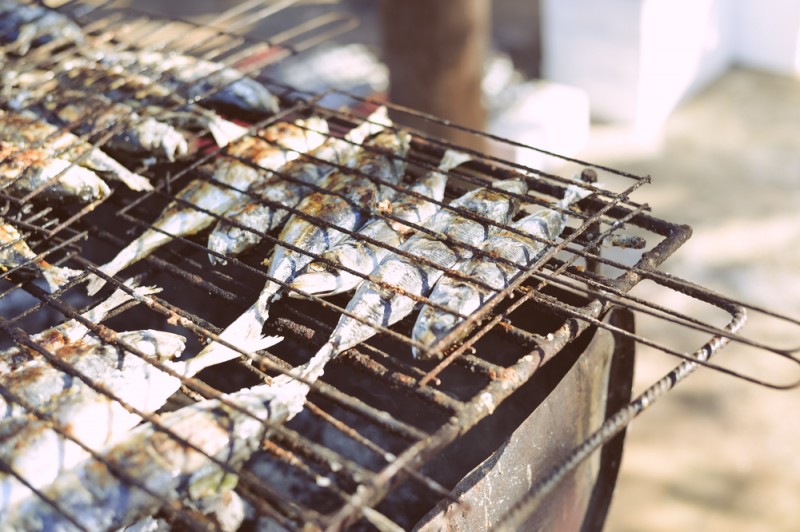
357,454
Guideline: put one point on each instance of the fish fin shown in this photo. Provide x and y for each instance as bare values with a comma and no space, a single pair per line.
99,161
314,368
56,276
374,123
134,181
573,194
244,333
133,252
453,158
95,284
225,131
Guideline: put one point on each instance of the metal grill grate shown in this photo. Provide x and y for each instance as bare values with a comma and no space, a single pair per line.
378,416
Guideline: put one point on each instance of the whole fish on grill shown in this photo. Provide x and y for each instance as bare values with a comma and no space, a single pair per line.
270,149
98,499
25,25
463,297
384,302
362,256
142,92
90,100
346,202
286,188
93,418
95,115
208,82
71,331
38,381
15,253
24,129
28,171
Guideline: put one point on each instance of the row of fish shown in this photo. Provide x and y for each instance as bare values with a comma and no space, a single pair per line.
221,437
348,224
65,113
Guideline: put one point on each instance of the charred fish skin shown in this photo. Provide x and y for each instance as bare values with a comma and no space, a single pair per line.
89,113
141,92
71,331
100,500
349,196
279,144
286,188
27,25
214,84
324,278
463,298
15,253
94,419
38,381
38,453
24,129
345,203
25,171
382,304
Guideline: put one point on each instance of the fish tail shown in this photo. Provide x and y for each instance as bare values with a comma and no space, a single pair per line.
244,333
314,368
57,276
118,298
101,162
149,241
453,158
375,123
573,194
133,181
225,131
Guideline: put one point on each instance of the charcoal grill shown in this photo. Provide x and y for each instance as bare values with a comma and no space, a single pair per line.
521,424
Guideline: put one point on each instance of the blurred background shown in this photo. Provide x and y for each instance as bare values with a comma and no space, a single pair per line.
702,95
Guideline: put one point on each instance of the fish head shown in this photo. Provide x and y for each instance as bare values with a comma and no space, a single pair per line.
431,326
318,279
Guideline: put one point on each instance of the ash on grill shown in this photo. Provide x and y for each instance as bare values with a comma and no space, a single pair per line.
383,439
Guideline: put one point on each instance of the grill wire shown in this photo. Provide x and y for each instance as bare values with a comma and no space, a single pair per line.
571,287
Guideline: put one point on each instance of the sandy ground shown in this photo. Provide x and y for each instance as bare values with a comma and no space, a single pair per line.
718,453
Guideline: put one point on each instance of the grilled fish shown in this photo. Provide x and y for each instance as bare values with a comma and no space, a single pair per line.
100,500
71,331
28,444
94,114
141,92
37,381
286,188
15,253
208,82
463,297
26,25
362,256
271,149
381,304
345,204
25,171
24,129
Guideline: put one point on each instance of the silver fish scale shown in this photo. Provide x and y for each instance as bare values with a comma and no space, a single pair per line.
383,305
98,499
286,188
463,298
345,204
36,381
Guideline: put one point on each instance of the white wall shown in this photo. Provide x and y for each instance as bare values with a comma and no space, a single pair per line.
637,59
767,34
